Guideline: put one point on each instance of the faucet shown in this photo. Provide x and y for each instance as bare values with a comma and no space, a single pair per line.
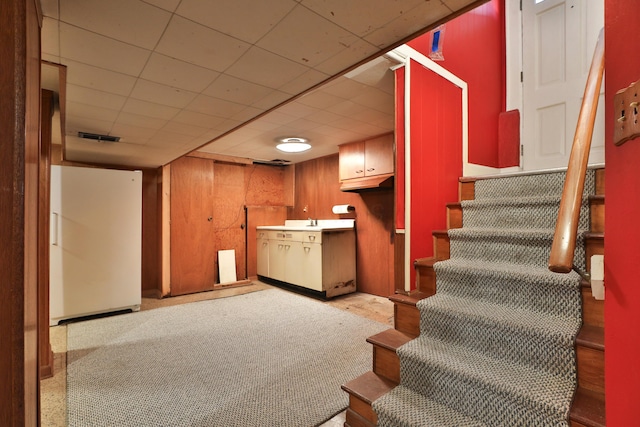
313,222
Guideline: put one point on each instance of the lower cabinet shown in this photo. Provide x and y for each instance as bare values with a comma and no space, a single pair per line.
324,262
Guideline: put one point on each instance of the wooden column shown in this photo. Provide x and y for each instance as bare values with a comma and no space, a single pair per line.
19,153
45,353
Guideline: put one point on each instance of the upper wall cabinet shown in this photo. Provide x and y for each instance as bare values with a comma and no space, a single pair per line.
367,164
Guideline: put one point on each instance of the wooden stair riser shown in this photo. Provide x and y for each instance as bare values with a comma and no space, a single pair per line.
386,363
441,245
454,216
406,318
466,190
596,206
590,369
363,409
353,419
425,275
592,309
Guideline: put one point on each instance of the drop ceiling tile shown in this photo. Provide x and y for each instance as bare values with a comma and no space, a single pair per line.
132,134
200,45
183,129
94,97
298,127
90,48
265,68
176,73
75,109
247,114
149,109
345,88
76,124
247,20
376,99
50,43
169,5
214,106
325,41
325,117
319,99
227,125
386,121
146,90
296,109
275,97
140,121
98,78
197,119
50,8
305,81
164,139
456,5
260,126
360,17
131,21
278,117
235,90
415,21
51,58
356,52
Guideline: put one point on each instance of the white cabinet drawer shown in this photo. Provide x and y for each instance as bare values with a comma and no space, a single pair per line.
311,236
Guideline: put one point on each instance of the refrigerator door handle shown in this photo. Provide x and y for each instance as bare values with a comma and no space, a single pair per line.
54,223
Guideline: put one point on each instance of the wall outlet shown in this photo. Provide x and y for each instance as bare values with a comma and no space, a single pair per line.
626,108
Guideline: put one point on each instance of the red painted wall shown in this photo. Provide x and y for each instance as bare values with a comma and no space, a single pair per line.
436,155
622,250
473,46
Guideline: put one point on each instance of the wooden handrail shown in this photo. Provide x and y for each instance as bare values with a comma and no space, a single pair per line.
564,239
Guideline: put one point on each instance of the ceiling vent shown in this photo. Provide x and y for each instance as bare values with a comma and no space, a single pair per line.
98,137
274,162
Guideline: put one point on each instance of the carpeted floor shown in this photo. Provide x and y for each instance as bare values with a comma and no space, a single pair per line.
265,358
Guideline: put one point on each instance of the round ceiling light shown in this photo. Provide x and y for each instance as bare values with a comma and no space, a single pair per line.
293,145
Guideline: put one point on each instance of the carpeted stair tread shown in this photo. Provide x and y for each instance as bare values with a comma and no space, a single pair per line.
481,386
432,413
530,287
519,246
531,184
500,331
539,211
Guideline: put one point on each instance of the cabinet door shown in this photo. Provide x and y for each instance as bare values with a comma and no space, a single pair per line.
262,247
277,259
310,266
378,155
193,253
351,160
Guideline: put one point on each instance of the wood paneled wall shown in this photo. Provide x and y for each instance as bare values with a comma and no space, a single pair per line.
235,186
317,189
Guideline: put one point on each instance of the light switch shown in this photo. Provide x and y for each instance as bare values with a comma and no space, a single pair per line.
626,108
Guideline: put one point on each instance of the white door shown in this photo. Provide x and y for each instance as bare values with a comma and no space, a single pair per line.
559,38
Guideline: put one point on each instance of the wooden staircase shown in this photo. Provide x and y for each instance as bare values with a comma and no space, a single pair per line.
588,405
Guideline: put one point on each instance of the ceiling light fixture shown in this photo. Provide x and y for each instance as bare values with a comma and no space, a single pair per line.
293,145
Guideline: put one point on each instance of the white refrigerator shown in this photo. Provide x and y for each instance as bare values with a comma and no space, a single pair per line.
96,241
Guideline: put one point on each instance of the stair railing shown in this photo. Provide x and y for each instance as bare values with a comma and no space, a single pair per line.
564,239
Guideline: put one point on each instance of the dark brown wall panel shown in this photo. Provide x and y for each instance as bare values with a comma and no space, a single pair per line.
151,268
317,189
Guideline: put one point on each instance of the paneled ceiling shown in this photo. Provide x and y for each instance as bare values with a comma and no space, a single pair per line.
228,77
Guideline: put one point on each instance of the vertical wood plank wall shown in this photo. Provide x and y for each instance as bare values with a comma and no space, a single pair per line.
473,46
234,186
622,252
436,156
317,189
